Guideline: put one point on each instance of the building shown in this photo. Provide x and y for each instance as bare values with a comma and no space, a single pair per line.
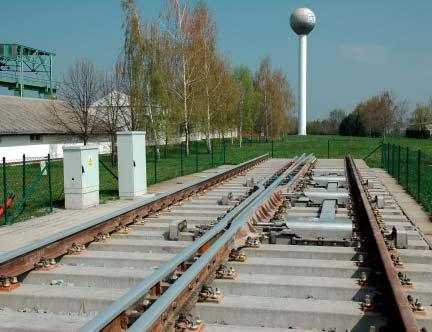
27,127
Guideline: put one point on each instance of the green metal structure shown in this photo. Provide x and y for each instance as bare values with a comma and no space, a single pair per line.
25,68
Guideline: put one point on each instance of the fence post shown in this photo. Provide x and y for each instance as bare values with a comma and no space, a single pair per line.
393,159
49,183
328,149
4,191
399,164
388,157
407,171
224,151
155,163
272,150
24,176
418,174
212,153
181,158
196,156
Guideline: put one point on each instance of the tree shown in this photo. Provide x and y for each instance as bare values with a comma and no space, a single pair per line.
422,116
204,35
225,101
155,86
401,116
246,110
386,113
378,114
112,109
275,102
177,22
352,125
335,118
131,63
281,103
79,91
262,85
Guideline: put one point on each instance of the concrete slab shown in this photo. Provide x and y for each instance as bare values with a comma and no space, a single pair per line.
90,276
39,322
305,252
236,328
60,299
143,246
117,259
300,287
145,235
287,312
299,267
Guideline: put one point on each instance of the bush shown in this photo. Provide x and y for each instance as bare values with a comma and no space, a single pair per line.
352,125
413,133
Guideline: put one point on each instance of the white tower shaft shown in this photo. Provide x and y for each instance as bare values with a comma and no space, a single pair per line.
302,84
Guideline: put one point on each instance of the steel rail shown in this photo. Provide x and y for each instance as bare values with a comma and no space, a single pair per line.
106,317
402,310
22,260
151,316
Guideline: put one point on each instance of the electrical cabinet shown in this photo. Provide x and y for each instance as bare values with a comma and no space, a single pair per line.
132,170
81,176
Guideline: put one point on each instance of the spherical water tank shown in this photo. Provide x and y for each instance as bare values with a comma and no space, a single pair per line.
302,21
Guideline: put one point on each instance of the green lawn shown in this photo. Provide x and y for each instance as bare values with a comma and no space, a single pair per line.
169,166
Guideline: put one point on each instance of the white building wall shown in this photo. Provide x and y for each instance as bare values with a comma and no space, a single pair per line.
14,146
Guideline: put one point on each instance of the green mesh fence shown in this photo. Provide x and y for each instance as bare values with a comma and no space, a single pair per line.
27,182
412,169
174,162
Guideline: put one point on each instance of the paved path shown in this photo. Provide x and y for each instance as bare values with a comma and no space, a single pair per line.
26,232
409,205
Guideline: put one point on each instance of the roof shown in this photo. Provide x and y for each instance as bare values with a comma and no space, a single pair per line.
24,116
26,49
113,98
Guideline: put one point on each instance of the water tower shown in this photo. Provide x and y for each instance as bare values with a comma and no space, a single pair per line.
302,22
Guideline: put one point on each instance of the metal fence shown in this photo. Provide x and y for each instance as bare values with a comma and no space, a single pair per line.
412,169
30,188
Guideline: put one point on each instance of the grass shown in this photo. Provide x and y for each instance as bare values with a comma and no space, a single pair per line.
169,166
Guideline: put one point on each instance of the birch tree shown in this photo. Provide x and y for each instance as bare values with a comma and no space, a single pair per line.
246,115
176,20
204,35
262,83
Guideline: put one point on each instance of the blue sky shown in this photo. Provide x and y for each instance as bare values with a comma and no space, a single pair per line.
358,48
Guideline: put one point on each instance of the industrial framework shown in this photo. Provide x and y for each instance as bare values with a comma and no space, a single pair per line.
26,68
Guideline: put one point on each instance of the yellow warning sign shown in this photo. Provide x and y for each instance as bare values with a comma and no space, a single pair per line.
90,162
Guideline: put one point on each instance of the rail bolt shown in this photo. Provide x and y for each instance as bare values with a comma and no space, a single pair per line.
361,260
367,303
363,279
6,282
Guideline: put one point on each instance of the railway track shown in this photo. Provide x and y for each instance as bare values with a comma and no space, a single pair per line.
56,285
304,246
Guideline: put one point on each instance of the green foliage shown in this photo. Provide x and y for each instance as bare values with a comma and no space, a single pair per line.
352,125
247,115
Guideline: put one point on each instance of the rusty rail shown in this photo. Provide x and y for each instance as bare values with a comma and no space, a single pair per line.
402,317
22,260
